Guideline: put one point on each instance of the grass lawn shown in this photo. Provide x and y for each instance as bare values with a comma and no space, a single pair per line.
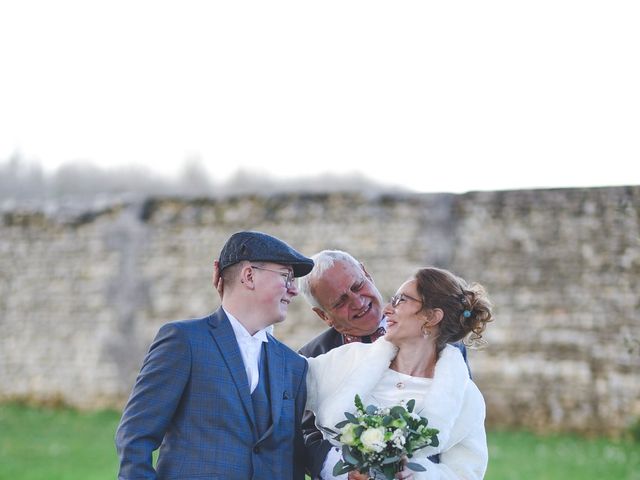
524,456
46,444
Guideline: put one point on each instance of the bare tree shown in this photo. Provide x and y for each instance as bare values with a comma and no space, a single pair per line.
81,183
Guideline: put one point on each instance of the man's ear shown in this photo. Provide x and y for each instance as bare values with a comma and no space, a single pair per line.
218,283
246,277
323,315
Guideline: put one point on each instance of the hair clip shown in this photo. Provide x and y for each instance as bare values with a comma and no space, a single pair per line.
466,314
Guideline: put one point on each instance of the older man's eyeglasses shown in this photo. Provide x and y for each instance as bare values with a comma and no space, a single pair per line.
401,297
288,275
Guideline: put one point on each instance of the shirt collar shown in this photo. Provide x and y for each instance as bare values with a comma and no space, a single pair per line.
241,332
373,337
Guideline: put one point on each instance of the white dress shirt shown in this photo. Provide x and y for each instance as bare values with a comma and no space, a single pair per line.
250,349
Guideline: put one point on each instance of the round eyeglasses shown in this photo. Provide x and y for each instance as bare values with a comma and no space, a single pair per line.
288,275
401,297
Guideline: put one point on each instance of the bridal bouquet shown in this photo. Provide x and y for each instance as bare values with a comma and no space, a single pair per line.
375,440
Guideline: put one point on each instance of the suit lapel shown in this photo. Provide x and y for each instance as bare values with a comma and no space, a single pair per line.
275,363
225,339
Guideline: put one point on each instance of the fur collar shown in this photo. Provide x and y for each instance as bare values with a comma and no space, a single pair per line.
356,368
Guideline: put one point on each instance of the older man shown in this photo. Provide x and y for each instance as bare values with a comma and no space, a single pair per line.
342,293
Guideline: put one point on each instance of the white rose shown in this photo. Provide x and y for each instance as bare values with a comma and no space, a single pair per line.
373,439
347,434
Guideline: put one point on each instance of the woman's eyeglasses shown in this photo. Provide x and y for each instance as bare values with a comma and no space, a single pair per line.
401,297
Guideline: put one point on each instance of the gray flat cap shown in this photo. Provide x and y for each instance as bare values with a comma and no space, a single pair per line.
260,247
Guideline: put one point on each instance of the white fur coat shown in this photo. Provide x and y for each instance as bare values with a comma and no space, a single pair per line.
454,404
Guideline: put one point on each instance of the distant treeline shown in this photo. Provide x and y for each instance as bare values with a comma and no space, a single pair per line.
24,180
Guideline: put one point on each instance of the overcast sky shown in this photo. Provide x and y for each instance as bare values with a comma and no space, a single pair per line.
435,96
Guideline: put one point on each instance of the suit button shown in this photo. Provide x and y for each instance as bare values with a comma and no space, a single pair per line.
256,449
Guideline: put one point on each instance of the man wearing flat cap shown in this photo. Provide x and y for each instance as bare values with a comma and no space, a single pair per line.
219,395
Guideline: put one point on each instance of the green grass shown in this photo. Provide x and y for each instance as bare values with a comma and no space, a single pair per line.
63,444
60,444
524,456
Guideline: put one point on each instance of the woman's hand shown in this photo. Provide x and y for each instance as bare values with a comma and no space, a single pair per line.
404,474
356,475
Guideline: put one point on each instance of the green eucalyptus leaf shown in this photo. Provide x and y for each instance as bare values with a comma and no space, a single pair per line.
397,411
389,471
358,455
393,459
341,471
351,417
348,457
338,467
416,467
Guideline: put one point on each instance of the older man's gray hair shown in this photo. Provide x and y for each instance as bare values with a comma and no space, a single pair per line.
323,261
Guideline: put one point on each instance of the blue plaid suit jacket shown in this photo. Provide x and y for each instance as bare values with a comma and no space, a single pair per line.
192,400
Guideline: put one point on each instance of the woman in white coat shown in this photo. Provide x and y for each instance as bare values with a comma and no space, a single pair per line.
415,361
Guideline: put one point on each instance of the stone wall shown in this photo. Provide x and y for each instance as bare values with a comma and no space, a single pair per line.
81,296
